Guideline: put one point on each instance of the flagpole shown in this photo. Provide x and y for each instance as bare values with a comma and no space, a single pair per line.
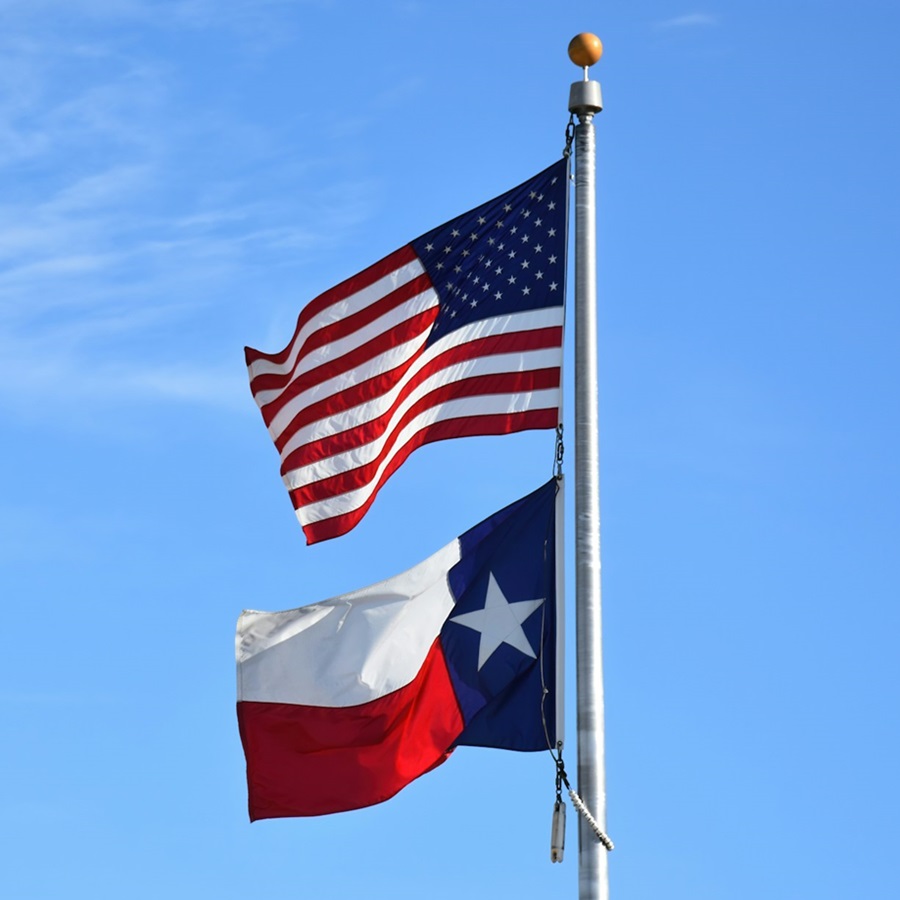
584,102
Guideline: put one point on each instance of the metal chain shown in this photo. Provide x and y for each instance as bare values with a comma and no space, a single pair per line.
559,451
560,774
570,137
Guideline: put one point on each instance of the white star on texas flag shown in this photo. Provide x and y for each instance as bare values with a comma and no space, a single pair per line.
500,622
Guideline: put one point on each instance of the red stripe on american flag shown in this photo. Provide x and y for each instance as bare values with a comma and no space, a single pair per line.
331,332
416,325
439,431
505,383
517,342
339,292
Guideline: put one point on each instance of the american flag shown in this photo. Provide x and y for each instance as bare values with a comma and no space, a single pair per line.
458,333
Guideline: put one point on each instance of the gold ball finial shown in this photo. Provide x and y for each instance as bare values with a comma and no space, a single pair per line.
585,49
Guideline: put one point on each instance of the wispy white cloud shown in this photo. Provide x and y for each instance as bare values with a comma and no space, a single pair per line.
53,376
161,13
409,7
397,98
259,24
237,13
688,20
32,533
20,9
113,252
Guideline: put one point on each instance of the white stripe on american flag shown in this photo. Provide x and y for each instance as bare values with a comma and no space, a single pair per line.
333,387
466,408
352,459
365,412
341,306
381,327
403,312
520,375
330,423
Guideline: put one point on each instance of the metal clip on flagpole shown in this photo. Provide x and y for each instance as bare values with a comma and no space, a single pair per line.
593,875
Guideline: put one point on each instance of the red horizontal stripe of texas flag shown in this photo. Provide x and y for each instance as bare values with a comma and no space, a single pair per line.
308,761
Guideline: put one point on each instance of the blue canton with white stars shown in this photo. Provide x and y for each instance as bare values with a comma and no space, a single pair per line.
506,256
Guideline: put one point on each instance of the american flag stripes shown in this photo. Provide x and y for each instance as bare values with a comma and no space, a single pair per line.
458,333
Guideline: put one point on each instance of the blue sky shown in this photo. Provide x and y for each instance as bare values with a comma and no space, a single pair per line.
178,177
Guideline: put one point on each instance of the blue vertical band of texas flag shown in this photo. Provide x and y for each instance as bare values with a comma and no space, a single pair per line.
507,693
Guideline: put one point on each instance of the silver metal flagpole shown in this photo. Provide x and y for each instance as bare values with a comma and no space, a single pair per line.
584,102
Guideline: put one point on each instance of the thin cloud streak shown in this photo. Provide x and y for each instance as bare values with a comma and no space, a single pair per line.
109,257
259,25
35,379
690,20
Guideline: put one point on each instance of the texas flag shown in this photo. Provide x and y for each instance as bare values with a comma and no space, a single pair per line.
343,703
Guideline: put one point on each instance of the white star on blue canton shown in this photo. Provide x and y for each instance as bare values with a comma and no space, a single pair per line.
500,622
